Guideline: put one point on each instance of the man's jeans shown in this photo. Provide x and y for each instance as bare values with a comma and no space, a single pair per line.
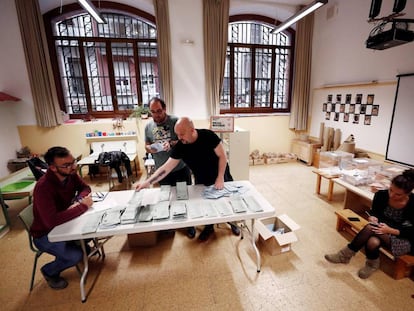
67,254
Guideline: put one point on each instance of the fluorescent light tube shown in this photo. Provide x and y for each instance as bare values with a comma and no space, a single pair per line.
302,13
88,6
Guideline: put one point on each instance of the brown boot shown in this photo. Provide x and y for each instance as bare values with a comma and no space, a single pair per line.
371,265
343,256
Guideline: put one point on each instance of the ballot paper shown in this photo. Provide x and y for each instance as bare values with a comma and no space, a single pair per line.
111,218
252,204
130,215
157,147
178,209
161,210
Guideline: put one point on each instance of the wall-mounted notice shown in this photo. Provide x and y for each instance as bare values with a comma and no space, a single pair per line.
222,124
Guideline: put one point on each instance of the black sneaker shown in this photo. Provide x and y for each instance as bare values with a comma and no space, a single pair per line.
55,282
206,233
235,229
191,232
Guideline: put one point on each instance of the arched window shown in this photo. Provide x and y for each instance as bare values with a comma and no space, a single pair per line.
259,66
103,70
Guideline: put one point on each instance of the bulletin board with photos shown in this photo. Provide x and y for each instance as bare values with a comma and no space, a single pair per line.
351,108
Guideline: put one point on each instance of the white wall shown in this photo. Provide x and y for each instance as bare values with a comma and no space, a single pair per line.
13,81
340,58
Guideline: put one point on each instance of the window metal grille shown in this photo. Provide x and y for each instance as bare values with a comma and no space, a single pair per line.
258,69
105,69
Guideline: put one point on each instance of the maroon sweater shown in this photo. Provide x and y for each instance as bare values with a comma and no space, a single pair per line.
51,201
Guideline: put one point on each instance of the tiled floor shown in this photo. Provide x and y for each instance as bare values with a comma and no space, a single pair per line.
183,274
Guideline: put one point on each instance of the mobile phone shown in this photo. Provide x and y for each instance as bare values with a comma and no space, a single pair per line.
353,218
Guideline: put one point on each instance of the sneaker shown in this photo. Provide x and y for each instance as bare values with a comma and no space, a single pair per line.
191,232
234,229
206,233
55,282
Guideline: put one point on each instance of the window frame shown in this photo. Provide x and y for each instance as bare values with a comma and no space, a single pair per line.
252,109
71,10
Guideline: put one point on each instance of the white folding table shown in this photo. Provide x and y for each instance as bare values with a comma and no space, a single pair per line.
72,230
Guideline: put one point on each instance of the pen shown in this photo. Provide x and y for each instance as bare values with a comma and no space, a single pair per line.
366,212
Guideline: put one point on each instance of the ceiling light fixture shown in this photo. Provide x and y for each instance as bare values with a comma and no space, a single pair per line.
302,13
92,10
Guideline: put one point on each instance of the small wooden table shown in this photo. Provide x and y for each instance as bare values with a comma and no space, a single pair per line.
329,177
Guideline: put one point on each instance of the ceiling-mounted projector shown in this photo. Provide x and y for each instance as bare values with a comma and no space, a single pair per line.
389,38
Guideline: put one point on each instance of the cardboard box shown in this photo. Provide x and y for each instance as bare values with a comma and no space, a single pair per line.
142,239
259,161
271,237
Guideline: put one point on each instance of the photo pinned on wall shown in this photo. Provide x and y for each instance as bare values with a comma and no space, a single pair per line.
352,108
368,110
327,115
356,119
370,99
324,106
330,98
347,108
375,110
333,107
348,98
338,98
363,109
346,117
329,107
367,120
336,117
358,99
342,108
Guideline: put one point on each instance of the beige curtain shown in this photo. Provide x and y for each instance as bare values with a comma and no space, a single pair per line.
215,24
164,49
302,74
38,63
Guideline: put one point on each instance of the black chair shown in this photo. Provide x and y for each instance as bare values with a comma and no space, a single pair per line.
38,167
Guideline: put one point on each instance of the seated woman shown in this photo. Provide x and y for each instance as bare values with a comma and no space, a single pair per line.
391,225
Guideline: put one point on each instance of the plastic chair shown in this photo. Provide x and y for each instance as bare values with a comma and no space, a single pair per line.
26,216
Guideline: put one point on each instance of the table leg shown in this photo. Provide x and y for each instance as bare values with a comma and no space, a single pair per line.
318,184
85,271
258,259
330,189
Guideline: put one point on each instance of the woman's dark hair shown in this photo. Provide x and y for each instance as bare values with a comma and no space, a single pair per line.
405,181
55,152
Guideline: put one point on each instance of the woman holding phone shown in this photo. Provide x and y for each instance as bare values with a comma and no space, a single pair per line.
391,225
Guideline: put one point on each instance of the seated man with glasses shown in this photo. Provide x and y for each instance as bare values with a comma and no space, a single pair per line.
59,196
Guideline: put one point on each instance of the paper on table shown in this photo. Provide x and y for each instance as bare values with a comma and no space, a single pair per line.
150,196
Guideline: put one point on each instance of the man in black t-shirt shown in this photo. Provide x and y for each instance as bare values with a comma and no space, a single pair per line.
203,152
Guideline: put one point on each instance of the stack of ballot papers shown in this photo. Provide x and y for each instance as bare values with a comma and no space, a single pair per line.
111,218
130,215
252,204
178,210
238,204
165,191
195,209
211,192
92,222
222,207
161,210
145,213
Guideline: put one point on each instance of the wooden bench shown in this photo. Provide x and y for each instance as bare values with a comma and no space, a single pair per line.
329,177
397,268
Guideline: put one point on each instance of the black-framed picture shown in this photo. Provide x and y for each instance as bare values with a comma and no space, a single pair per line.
346,117
338,98
363,109
342,108
375,110
327,115
324,106
356,119
358,99
351,108
370,99
336,116
348,98
329,99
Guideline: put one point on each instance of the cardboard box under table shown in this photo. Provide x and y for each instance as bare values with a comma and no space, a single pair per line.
277,234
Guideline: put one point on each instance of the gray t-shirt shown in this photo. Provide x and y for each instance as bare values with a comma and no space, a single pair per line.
160,133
